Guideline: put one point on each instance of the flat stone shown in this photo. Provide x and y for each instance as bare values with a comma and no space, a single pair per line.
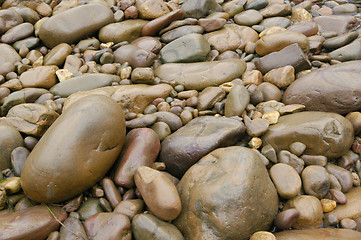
327,134
32,223
318,234
127,30
336,89
180,31
9,18
135,56
338,23
295,57
198,9
349,52
236,101
147,226
209,200
179,152
286,180
74,24
83,83
279,40
8,54
18,32
201,75
189,48
151,9
155,26
340,41
248,17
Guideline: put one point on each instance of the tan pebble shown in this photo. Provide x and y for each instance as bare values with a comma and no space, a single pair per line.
163,107
63,74
272,117
13,85
281,77
250,46
186,116
125,72
292,108
227,86
252,77
38,62
301,15
262,235
11,185
356,179
106,45
187,94
44,9
328,205
255,142
271,30
3,198
348,223
160,166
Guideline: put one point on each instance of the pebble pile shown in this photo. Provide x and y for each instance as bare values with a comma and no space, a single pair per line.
180,119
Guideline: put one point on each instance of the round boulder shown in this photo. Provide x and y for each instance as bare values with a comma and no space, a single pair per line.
226,195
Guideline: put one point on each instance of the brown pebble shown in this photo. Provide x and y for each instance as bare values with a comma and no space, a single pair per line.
286,219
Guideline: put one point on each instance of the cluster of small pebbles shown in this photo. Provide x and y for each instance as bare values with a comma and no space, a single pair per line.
180,119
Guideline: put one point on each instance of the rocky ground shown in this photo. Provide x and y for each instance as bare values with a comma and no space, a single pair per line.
180,119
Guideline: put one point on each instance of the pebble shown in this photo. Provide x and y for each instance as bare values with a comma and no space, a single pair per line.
286,180
315,181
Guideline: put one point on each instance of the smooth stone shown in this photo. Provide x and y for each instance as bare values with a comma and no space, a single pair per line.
308,28
209,201
201,75
189,48
147,226
181,31
200,8
331,92
337,23
18,32
155,26
32,223
57,55
83,83
297,148
111,192
209,97
10,139
9,18
23,204
29,42
18,158
279,40
113,226
315,181
151,9
343,176
248,17
200,136
127,30
158,192
256,4
135,56
141,122
352,207
141,148
212,24
310,210
150,44
236,101
171,119
28,14
89,208
179,23
130,208
286,180
30,118
95,150
318,234
326,134
39,77
74,24
286,219
161,129
8,54
290,55
275,21
276,10
75,226
281,77
231,37
26,95
349,52
314,160
256,127
133,98
142,75
269,92
340,41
